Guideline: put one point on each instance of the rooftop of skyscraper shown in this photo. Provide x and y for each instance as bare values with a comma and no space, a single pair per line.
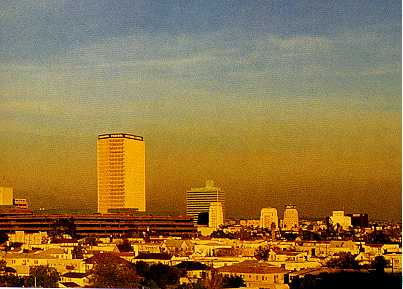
120,135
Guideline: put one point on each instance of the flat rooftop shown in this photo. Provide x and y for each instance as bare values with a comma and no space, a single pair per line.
120,135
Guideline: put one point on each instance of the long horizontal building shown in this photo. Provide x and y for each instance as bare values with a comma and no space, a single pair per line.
98,224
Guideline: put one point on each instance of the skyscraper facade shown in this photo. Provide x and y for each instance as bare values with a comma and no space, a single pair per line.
268,216
215,215
338,217
290,220
121,172
198,200
6,196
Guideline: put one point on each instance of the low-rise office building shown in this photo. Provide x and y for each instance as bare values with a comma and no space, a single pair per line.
99,225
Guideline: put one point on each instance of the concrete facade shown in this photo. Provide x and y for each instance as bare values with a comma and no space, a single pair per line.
6,196
338,217
198,199
290,220
216,217
121,172
268,216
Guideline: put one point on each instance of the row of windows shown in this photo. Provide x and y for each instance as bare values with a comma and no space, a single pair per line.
256,277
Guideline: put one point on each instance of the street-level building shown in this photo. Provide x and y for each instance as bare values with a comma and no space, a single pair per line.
257,274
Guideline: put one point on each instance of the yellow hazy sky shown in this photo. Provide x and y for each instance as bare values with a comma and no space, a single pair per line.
278,102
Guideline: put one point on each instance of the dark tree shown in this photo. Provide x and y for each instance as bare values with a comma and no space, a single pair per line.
125,246
3,237
290,236
310,235
14,245
197,285
191,265
63,226
42,276
218,234
78,252
233,282
91,241
379,264
345,260
3,264
347,280
214,281
162,275
142,268
110,272
8,277
11,280
262,253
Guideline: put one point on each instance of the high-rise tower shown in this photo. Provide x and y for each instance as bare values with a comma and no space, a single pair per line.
198,200
290,220
268,218
215,215
121,172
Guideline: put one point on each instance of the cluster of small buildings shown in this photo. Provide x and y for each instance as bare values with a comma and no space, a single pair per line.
284,260
7,199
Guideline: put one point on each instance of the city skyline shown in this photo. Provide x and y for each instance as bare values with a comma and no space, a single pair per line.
278,102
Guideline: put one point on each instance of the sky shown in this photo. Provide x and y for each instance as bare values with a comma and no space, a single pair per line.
279,102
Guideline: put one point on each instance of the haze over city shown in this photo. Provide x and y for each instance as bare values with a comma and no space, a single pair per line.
279,102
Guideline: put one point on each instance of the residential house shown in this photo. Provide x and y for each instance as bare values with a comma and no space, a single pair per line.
258,274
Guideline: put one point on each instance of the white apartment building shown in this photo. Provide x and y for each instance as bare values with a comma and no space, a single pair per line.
6,196
121,172
268,216
198,199
290,220
216,217
338,217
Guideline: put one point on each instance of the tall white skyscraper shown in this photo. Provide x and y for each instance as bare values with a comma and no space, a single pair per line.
290,220
198,200
121,172
267,217
215,215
